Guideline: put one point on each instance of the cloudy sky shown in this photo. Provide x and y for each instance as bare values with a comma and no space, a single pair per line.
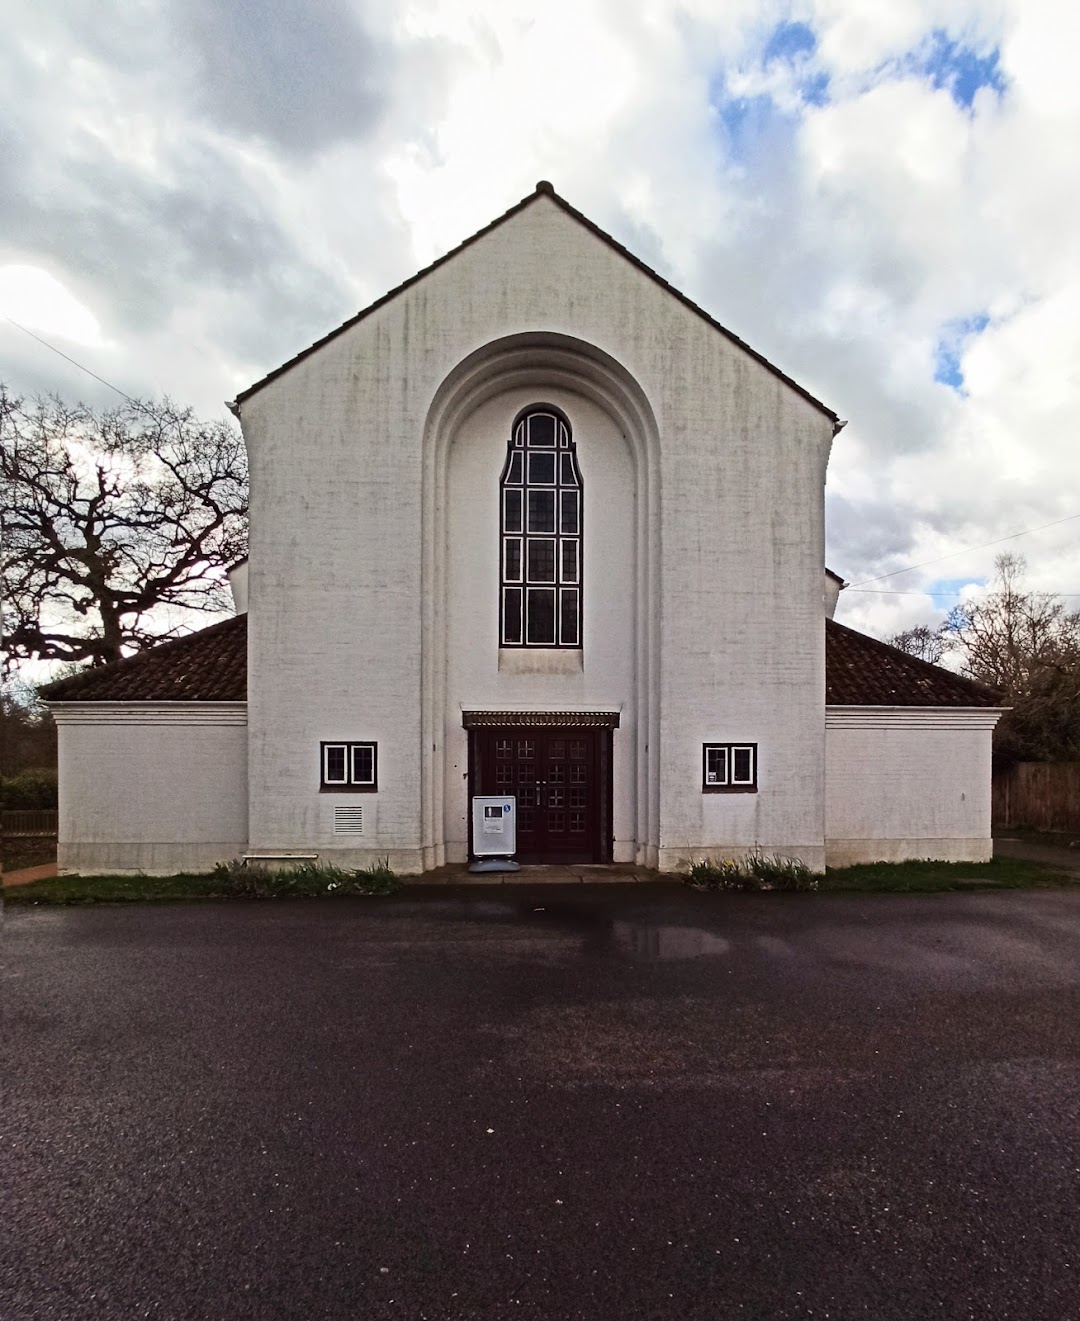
881,198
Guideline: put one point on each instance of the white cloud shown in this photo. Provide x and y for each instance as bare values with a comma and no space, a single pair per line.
39,301
861,198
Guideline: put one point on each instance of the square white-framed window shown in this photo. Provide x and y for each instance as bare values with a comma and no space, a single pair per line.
729,768
349,768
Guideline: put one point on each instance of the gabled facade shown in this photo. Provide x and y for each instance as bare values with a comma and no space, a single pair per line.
535,524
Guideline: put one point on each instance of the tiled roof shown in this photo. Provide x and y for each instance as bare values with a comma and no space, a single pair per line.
861,671
207,666
543,189
211,666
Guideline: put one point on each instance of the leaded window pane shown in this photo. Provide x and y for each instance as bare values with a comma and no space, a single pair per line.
569,561
513,477
542,469
334,764
540,628
716,766
568,619
568,518
541,560
542,430
512,560
363,767
512,616
541,511
512,511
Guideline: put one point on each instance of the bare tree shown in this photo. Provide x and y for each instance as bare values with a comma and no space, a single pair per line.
111,517
27,731
1026,644
927,644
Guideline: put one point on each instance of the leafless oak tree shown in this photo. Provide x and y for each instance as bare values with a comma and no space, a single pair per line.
1026,644
114,522
926,643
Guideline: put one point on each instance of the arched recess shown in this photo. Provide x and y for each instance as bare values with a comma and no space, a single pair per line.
540,360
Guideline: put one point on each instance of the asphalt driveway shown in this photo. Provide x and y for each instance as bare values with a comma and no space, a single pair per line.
637,1102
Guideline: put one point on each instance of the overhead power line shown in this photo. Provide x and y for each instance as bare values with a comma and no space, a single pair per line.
852,587
967,550
66,358
885,591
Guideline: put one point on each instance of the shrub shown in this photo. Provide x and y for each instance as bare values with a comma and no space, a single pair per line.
306,880
754,871
29,790
780,873
376,879
726,875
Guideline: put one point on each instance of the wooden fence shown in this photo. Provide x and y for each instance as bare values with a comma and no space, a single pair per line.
24,822
1038,795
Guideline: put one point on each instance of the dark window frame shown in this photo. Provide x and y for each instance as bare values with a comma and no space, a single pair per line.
729,784
349,785
566,597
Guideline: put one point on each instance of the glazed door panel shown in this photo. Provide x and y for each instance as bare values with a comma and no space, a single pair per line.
556,777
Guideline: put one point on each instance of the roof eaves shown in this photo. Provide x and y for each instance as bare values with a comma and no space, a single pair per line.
919,665
689,302
385,298
55,691
543,189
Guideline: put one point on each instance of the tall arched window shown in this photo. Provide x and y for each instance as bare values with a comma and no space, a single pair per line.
540,534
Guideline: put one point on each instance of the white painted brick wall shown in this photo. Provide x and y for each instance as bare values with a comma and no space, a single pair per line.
148,791
905,783
336,448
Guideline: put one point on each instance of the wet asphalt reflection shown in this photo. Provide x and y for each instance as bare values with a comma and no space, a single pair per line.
549,1102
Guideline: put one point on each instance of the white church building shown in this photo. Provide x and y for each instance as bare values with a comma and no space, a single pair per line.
535,524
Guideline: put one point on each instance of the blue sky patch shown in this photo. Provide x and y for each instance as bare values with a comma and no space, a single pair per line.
815,89
788,40
749,119
958,69
949,349
795,43
745,118
941,588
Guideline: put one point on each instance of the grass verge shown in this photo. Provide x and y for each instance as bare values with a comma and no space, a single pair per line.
309,882
912,877
226,881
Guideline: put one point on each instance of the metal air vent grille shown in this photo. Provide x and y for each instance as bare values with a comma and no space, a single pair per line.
348,820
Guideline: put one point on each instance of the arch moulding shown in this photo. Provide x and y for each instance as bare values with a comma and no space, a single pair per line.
540,361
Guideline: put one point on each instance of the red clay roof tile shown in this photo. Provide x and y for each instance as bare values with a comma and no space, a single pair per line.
207,666
211,666
861,671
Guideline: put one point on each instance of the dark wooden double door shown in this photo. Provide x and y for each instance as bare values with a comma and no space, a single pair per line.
561,778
